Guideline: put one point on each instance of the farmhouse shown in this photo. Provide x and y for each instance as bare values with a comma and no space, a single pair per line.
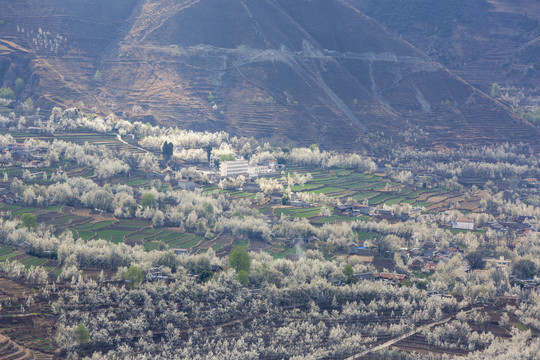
366,276
529,182
186,183
391,276
255,171
344,209
384,213
464,224
500,262
431,267
180,251
362,209
417,263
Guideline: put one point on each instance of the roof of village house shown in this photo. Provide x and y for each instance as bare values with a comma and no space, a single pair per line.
465,221
391,276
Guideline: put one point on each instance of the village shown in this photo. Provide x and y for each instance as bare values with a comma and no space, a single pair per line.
102,199
339,196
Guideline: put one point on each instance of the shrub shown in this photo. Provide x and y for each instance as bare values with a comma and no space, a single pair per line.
7,93
82,334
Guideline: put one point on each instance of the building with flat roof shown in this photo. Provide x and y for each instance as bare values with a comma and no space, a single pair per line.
464,224
233,168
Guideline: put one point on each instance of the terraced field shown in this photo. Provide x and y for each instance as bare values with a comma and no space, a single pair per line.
374,189
86,224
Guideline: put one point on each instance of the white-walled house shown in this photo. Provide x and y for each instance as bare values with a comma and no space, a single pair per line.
233,168
464,224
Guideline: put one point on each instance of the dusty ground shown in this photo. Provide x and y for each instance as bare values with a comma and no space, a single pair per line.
26,323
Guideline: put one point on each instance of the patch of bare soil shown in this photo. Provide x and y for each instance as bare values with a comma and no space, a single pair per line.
220,242
258,246
10,289
26,323
11,350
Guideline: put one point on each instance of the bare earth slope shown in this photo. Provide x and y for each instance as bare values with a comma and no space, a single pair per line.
288,70
483,41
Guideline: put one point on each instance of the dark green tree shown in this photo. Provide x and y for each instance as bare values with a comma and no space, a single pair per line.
82,334
6,93
475,260
167,150
208,149
148,200
226,157
384,246
205,275
284,200
243,278
28,220
19,85
421,285
348,271
524,268
239,259
134,277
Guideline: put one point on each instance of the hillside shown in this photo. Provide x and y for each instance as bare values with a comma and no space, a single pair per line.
290,71
481,41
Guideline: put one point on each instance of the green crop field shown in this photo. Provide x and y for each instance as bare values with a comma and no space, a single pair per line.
35,262
282,254
101,225
116,236
305,187
137,182
5,250
8,256
380,199
394,201
150,245
327,190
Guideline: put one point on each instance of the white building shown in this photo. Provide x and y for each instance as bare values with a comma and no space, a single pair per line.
464,224
255,171
500,262
233,168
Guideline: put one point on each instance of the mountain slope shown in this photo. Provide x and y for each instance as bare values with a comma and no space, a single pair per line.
482,41
291,71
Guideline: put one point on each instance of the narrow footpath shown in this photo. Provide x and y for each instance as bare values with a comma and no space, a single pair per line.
404,336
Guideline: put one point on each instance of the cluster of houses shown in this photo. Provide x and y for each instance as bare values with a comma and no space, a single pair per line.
520,226
428,259
529,183
227,169
21,153
355,210
185,182
157,273
9,197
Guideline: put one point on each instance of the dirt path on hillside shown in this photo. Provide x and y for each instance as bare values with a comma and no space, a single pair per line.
128,144
406,335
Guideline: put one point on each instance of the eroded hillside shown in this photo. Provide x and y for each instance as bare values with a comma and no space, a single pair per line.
290,71
482,41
